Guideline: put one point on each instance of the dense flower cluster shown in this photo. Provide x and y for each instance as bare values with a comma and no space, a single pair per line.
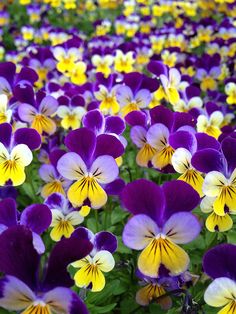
117,135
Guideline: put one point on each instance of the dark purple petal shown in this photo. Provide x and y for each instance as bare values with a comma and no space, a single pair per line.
180,197
133,80
36,217
8,70
5,134
64,253
108,145
8,212
18,256
144,197
94,120
136,118
105,241
219,261
161,114
149,83
83,233
27,136
192,91
8,191
115,187
183,139
77,306
211,107
27,74
24,92
183,119
55,155
228,146
208,159
115,125
83,142
206,141
55,200
157,68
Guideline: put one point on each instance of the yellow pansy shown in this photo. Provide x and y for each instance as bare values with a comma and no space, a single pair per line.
12,164
91,270
103,64
124,62
77,74
108,100
70,116
210,125
5,113
230,90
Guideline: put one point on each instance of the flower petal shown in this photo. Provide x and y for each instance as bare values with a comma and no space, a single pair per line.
71,166
105,260
104,169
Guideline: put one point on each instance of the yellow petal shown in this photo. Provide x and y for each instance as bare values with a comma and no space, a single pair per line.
90,275
193,178
146,294
226,201
52,187
42,124
11,170
145,155
36,309
63,228
215,222
162,251
163,158
229,308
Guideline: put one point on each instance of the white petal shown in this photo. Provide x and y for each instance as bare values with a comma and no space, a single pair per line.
71,166
213,183
75,218
157,136
22,154
105,260
104,169
181,160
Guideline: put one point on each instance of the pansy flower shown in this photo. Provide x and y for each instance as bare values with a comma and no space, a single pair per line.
71,111
55,183
138,134
16,153
135,94
36,217
161,221
103,63
66,57
37,112
230,90
220,179
218,263
165,130
105,92
91,164
25,288
170,80
181,159
123,62
99,261
189,98
64,216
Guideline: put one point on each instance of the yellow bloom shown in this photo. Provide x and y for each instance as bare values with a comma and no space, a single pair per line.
124,62
5,113
70,116
230,90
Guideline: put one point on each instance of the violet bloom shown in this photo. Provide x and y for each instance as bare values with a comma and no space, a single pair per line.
37,112
91,164
166,126
16,153
100,259
218,263
135,94
36,217
161,221
220,179
24,289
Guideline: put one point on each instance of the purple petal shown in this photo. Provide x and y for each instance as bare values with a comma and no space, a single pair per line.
105,241
108,145
8,212
183,119
36,217
38,243
26,112
18,256
144,197
82,142
83,233
136,118
115,125
180,197
94,120
115,187
5,134
27,74
24,92
192,91
27,136
206,141
183,139
157,68
133,80
48,105
77,306
182,227
207,160
55,200
55,155
219,261
228,146
64,253
161,114
8,70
